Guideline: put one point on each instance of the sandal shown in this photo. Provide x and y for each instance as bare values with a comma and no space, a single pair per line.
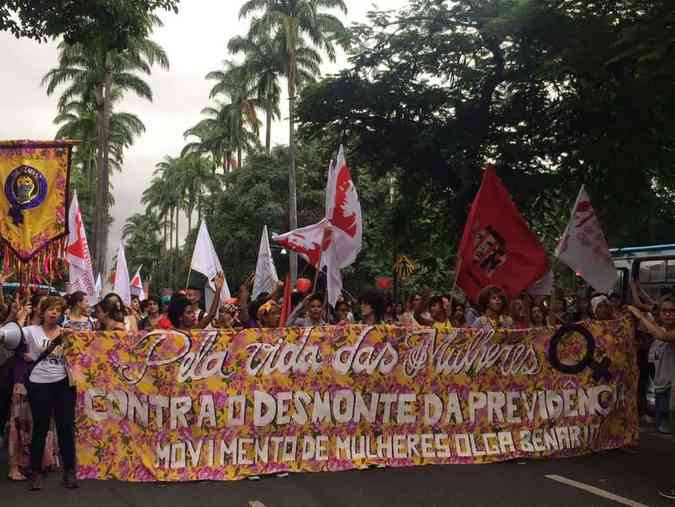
16,475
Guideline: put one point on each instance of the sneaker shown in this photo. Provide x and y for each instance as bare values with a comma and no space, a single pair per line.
70,480
281,475
253,477
647,420
668,493
664,429
35,481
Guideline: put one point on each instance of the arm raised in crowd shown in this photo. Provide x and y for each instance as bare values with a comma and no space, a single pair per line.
658,332
640,299
242,300
219,282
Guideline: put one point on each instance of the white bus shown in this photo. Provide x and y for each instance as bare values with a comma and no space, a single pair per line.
652,266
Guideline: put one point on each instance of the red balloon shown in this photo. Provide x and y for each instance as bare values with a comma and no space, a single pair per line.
303,285
384,282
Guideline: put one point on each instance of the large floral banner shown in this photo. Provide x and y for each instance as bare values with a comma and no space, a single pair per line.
224,405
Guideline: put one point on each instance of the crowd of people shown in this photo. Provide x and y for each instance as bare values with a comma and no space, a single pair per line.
37,402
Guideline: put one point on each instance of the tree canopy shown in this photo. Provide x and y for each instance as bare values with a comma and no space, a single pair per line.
558,93
112,23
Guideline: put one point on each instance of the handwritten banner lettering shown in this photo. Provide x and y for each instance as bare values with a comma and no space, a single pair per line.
223,405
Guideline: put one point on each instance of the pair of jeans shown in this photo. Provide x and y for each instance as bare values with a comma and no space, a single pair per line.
57,399
662,408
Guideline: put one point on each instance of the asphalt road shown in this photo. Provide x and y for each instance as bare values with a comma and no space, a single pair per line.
632,477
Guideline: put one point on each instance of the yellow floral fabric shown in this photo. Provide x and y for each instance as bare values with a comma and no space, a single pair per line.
223,404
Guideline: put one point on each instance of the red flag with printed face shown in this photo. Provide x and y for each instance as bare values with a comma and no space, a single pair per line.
497,247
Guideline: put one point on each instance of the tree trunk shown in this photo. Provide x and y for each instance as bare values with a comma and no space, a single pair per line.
268,128
175,255
103,188
91,175
190,210
165,235
171,231
292,198
238,158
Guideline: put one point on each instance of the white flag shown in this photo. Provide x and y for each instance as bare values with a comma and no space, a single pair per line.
266,278
305,241
205,261
98,288
121,286
543,286
343,237
584,249
137,285
80,272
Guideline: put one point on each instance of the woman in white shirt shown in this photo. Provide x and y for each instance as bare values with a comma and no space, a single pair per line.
49,391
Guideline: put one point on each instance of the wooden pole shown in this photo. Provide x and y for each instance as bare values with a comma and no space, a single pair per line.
454,284
318,267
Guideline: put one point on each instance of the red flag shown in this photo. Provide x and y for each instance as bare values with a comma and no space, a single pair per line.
497,247
286,304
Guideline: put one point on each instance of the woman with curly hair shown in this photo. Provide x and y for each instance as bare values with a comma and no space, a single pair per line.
538,315
492,303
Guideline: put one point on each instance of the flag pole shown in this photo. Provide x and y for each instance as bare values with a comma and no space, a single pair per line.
318,267
454,284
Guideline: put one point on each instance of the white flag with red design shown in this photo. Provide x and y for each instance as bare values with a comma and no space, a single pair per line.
336,240
306,241
137,285
344,236
584,248
80,272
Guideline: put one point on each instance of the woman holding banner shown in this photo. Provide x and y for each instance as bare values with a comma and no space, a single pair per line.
372,308
492,303
49,392
182,314
21,419
78,315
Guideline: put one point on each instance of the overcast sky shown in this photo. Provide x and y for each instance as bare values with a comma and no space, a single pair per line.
195,40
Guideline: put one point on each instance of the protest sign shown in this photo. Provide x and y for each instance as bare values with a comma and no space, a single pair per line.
223,405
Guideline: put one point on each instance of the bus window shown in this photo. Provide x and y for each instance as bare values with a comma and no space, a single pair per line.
621,285
653,271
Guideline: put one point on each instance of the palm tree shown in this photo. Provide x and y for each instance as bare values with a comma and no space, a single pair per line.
195,179
265,63
77,120
143,244
213,138
165,197
298,20
240,112
103,76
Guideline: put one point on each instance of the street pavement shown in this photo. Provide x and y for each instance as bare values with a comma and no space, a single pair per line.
604,479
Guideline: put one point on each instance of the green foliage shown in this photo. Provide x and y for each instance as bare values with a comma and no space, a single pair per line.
559,93
111,24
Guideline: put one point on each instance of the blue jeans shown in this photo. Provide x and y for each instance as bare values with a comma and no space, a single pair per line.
662,407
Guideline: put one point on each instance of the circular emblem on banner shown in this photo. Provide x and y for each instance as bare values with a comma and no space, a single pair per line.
25,188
